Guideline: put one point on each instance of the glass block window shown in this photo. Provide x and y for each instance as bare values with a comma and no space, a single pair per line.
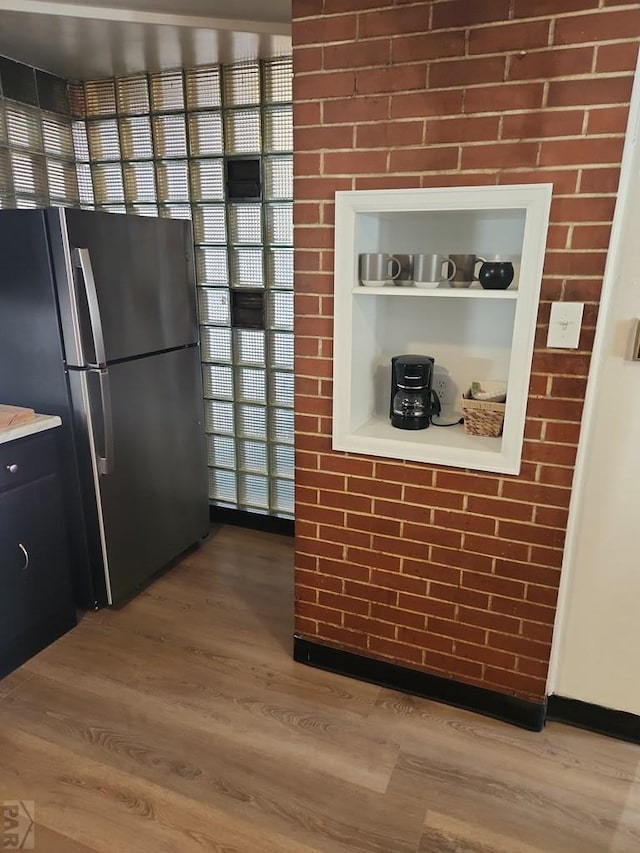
155,145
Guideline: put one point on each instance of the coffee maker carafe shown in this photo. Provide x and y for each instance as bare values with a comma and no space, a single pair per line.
413,400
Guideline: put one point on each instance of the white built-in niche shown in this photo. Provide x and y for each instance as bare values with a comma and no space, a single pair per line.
473,334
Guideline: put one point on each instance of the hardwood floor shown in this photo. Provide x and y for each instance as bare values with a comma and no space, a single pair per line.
180,723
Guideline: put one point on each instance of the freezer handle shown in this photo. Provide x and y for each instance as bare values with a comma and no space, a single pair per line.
105,463
83,259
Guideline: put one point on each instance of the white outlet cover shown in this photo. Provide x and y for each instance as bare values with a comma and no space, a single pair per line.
565,323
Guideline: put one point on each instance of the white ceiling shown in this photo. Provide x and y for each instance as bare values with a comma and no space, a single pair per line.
103,38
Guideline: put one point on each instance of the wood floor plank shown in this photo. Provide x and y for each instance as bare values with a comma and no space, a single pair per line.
179,722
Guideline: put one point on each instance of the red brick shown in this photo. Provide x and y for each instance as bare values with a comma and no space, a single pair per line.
564,181
559,454
591,237
425,640
551,516
541,124
421,104
567,433
460,13
350,110
521,646
543,595
603,26
341,636
381,526
531,533
523,609
495,547
317,580
483,654
389,134
313,237
466,71
580,151
561,410
583,208
463,129
392,79
552,475
486,619
537,631
315,611
340,500
431,571
470,633
504,37
375,560
427,605
398,616
394,22
423,159
432,535
606,90
307,59
386,182
475,484
504,98
458,595
461,559
397,651
305,627
306,114
317,138
357,162
427,46
493,584
394,580
550,64
536,668
551,557
323,30
428,497
373,53
401,511
343,537
608,120
523,9
617,57
338,601
305,593
316,189
308,8
452,665
378,488
522,684
465,521
366,625
499,155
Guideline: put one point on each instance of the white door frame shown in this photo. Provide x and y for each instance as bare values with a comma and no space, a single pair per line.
630,162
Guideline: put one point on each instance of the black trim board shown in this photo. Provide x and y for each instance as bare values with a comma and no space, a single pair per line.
520,712
252,520
619,724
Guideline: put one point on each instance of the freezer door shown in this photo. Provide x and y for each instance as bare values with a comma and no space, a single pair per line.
125,284
149,468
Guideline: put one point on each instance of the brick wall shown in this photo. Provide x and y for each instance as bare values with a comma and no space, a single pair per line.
450,571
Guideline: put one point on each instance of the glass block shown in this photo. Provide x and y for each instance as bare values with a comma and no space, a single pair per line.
6,182
23,128
207,180
85,184
281,350
210,224
252,456
135,138
29,174
75,92
283,460
175,211
280,388
278,129
253,490
222,486
205,134
278,177
170,136
23,203
132,94
172,177
113,208
144,209
139,182
251,386
215,343
80,141
241,84
203,88
280,309
62,181
211,266
100,98
279,220
217,381
252,421
3,134
213,303
249,346
219,417
280,268
221,451
281,426
57,136
277,76
107,183
246,268
245,223
166,91
282,496
242,132
104,142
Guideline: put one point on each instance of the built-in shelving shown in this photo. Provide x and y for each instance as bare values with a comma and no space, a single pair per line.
472,333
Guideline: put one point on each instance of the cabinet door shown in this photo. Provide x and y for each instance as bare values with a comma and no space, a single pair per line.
35,596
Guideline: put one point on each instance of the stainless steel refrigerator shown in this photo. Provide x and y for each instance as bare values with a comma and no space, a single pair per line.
98,324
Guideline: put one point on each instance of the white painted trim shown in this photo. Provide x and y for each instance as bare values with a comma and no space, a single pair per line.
133,16
630,153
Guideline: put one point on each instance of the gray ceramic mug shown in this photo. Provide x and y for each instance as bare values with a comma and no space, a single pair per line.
429,270
376,268
465,273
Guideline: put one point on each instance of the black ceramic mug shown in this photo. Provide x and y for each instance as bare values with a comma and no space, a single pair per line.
496,275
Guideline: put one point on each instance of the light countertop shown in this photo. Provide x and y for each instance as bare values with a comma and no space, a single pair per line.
40,424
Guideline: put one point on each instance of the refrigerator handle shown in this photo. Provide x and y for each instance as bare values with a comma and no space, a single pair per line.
83,259
105,463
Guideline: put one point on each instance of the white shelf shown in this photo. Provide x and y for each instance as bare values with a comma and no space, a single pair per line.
473,334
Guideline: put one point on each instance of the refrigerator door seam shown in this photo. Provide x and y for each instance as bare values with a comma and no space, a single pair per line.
71,283
96,482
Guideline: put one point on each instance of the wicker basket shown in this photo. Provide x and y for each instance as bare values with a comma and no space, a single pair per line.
482,417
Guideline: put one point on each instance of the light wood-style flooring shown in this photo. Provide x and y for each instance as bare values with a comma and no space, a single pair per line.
180,723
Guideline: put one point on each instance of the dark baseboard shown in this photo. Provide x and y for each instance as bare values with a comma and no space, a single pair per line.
595,718
520,712
252,520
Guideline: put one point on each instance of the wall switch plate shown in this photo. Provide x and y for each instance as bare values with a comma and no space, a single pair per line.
564,325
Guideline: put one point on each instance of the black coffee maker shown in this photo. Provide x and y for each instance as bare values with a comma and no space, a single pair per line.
413,400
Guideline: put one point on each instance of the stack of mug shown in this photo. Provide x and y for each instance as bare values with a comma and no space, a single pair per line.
428,270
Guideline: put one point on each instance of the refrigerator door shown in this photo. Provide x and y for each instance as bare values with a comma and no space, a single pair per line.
148,475
125,284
